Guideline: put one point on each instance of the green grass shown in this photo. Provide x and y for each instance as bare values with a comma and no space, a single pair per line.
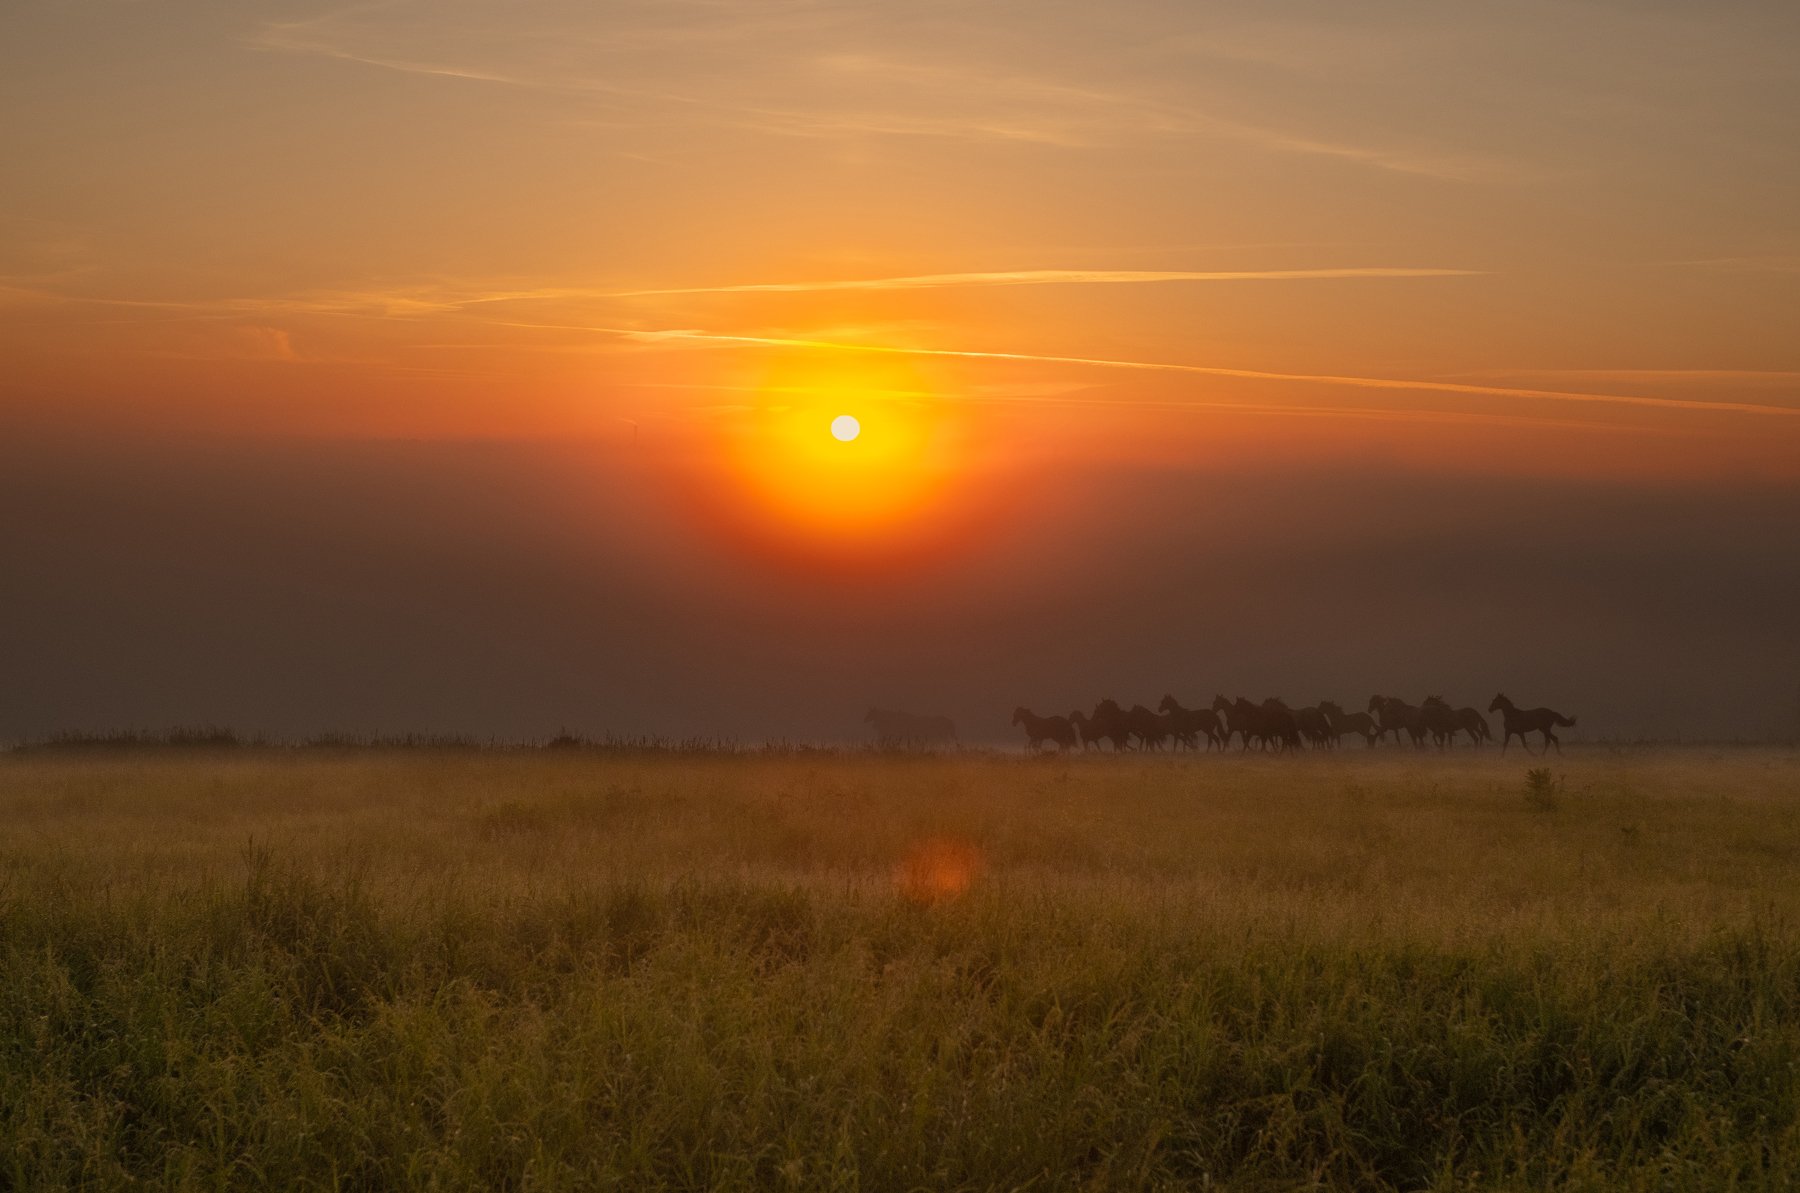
576,970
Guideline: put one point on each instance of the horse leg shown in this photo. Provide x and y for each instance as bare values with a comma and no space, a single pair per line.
1551,739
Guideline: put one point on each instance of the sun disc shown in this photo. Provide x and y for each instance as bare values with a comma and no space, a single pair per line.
844,428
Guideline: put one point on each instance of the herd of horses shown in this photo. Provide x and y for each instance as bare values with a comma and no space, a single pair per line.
1273,725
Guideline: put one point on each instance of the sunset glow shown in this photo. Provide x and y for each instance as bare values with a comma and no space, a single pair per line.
887,595
1105,329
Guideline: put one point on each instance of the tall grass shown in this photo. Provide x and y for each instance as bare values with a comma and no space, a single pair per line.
574,970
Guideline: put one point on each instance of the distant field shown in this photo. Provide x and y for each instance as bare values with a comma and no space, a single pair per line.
539,970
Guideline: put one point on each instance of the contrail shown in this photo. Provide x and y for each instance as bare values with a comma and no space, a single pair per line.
1451,387
1050,277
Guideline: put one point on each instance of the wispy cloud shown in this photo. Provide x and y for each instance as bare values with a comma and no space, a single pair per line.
785,70
1673,376
1422,385
447,296
1050,277
1788,263
1063,396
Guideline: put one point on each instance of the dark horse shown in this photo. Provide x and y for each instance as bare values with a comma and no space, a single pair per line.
1271,723
1315,726
1280,723
1190,723
1108,723
1439,720
1446,722
1393,715
1042,729
1149,728
1475,725
1342,722
1528,720
1238,717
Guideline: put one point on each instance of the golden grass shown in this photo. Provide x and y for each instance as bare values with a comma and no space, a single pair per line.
549,969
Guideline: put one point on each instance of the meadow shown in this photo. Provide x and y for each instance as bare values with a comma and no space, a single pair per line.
578,969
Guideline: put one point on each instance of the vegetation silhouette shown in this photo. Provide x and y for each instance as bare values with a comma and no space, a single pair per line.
896,730
1528,720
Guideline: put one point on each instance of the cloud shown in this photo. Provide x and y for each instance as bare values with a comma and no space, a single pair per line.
267,343
1732,376
1382,383
1783,263
1047,277
785,70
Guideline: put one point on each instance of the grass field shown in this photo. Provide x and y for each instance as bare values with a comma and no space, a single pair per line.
538,970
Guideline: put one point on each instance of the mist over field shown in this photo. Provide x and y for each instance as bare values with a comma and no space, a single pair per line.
512,588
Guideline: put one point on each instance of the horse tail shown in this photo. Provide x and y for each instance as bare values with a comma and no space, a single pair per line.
1563,721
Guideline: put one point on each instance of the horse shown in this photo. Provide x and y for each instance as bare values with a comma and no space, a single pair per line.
1342,722
1039,730
1106,724
1270,722
1528,720
1393,715
1475,725
1239,717
1150,729
1089,731
1439,719
1189,723
1280,723
896,730
1313,725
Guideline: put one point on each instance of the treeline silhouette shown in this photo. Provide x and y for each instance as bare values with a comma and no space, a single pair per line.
216,738
1274,725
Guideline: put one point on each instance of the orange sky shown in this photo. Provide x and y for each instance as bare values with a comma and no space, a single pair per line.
537,219
1532,243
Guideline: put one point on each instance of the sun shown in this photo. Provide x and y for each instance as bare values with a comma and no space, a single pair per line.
801,472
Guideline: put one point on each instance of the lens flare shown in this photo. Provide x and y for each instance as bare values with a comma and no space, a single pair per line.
937,869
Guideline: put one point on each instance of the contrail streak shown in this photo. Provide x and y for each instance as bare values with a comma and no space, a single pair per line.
1388,383
1050,277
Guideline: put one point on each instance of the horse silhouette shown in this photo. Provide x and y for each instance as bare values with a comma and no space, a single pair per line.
896,730
1150,729
1394,715
1281,723
1189,723
1039,730
1528,720
1440,720
1108,722
1342,722
1240,717
1314,726
1270,723
1089,731
1475,725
